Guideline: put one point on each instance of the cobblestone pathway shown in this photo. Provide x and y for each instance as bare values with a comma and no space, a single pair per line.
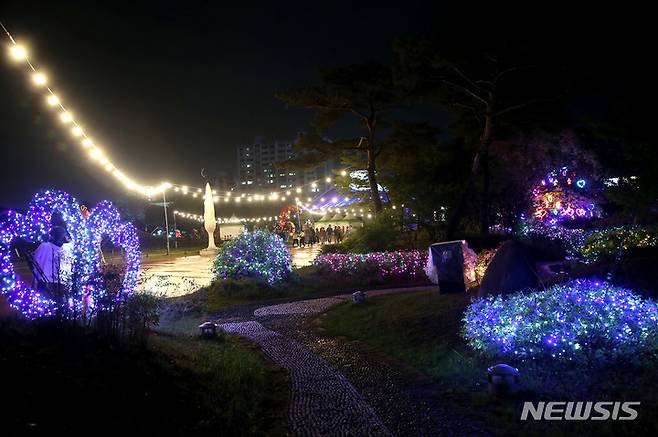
323,401
337,388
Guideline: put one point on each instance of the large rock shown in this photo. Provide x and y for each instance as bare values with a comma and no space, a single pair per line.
512,269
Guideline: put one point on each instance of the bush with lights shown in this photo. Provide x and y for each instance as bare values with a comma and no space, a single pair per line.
387,265
605,244
579,320
258,255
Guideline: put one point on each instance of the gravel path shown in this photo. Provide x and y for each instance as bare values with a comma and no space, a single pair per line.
323,401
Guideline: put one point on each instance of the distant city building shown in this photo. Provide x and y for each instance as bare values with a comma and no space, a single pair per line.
257,169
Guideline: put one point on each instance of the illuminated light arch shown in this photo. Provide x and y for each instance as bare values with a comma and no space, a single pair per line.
105,220
34,226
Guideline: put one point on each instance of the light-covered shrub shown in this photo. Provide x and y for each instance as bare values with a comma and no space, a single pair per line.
572,321
258,254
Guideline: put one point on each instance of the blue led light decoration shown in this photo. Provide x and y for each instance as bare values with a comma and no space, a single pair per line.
258,255
34,227
573,321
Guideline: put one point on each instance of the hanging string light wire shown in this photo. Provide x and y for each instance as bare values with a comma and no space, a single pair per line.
19,53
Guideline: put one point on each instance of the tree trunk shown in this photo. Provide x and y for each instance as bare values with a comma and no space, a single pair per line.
372,180
485,141
484,195
481,157
372,169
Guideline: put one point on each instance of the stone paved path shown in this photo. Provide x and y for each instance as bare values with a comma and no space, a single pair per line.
177,276
337,389
182,275
323,402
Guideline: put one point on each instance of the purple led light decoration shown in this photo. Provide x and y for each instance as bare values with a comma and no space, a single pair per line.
105,221
401,264
85,233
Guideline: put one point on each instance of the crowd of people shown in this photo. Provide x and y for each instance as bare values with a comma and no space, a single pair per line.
309,235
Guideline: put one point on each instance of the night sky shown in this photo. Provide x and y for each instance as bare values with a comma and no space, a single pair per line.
159,87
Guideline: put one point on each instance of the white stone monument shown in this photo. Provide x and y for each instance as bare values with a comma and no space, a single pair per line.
209,222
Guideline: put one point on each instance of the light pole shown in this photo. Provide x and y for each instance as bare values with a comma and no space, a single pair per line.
175,229
164,204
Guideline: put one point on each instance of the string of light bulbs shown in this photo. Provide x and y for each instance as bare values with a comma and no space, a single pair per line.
199,218
19,54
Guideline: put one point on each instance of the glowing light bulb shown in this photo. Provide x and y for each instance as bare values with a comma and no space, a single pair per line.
299,190
39,79
76,131
95,153
52,100
334,199
343,173
18,52
66,117
87,142
328,180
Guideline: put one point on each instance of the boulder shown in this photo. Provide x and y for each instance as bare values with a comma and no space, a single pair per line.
512,269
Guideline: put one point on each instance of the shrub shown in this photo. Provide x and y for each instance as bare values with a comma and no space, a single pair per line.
380,234
258,254
386,265
579,320
604,245
142,312
484,258
327,249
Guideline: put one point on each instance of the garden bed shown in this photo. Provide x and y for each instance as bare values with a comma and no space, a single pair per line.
422,330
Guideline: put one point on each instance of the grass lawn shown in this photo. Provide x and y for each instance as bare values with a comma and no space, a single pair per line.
307,283
60,380
422,330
